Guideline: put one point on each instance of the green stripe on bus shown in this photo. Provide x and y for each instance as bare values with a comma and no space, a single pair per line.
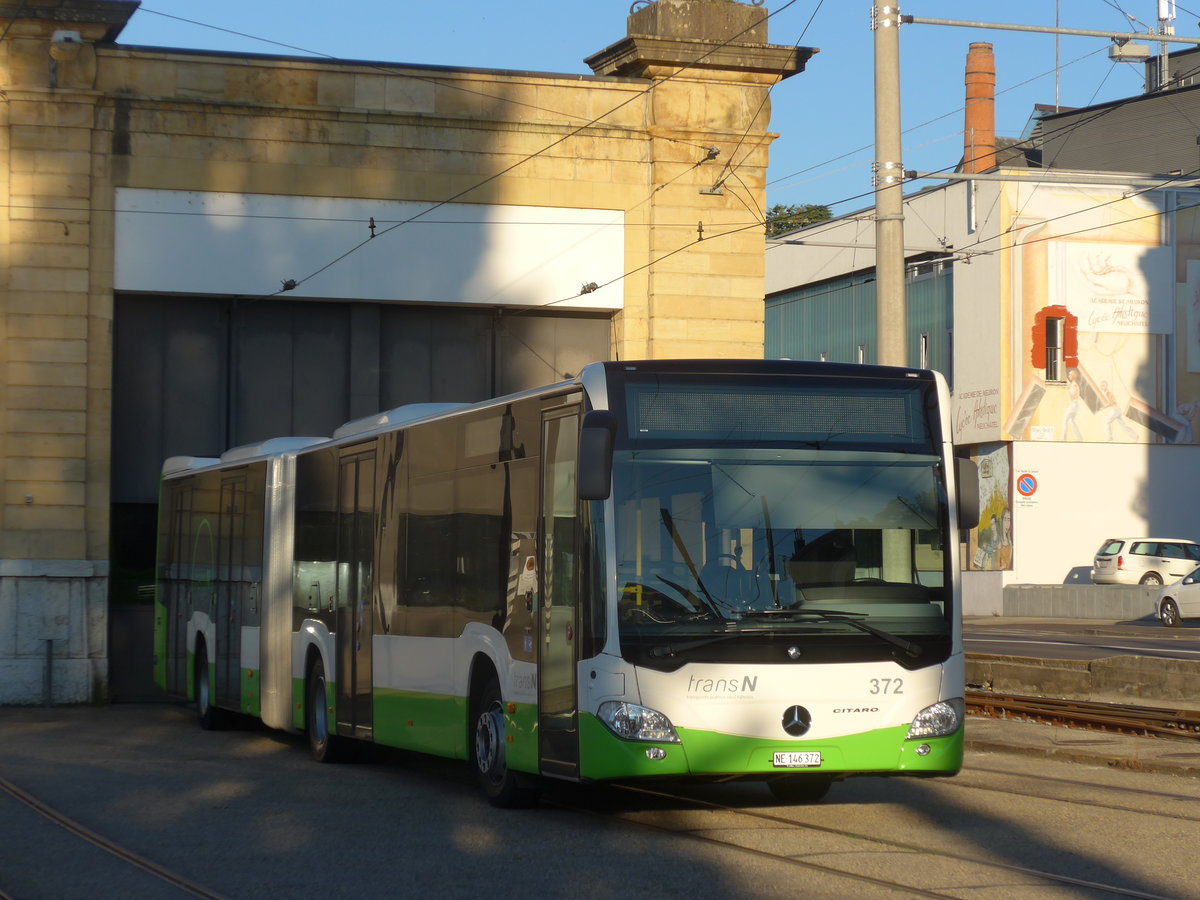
603,755
251,692
438,724
160,641
190,677
298,721
428,723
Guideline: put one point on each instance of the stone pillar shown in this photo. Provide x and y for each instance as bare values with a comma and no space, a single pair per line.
54,372
695,245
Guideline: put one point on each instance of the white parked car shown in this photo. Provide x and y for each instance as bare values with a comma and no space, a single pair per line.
1151,561
1180,600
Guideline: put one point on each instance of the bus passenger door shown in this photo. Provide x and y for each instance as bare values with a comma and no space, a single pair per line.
179,572
558,715
230,590
356,536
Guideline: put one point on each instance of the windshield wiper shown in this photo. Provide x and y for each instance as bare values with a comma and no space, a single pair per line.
699,607
669,524
772,572
671,649
853,619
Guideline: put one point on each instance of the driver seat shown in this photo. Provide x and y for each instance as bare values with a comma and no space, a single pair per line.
727,582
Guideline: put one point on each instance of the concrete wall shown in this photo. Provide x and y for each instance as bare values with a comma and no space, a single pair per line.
60,607
1136,680
1078,601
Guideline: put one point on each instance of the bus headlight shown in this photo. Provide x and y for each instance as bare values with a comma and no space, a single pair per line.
636,723
943,718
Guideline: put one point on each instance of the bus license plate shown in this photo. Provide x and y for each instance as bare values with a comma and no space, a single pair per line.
798,760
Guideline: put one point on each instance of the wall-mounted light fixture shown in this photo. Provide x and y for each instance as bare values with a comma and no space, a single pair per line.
65,46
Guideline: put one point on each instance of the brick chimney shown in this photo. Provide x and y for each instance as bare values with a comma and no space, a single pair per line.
979,132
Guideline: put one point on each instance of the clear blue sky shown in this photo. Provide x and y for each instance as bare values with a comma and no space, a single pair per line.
824,116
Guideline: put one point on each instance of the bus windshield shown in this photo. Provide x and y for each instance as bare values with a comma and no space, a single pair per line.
731,553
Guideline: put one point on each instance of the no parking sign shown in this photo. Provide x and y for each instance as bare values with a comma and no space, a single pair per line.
1027,489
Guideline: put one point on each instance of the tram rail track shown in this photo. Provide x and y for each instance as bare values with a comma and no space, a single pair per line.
778,820
1105,717
119,851
1113,718
651,819
827,849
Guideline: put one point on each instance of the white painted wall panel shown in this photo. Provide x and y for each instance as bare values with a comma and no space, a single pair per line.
1089,492
248,244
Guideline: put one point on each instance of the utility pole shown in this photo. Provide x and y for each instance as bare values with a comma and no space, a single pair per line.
1166,18
891,305
891,314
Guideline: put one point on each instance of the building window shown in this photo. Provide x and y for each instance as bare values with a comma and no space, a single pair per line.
861,354
949,373
1055,343
1055,349
923,351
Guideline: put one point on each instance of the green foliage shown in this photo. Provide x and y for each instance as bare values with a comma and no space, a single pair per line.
781,218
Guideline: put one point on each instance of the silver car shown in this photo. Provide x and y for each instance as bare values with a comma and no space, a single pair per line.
1179,601
1150,561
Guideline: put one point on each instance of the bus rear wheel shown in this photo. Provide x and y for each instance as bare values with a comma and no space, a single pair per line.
502,786
323,744
800,788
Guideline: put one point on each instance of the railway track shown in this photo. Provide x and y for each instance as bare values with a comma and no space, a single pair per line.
1116,718
853,851
115,849
840,851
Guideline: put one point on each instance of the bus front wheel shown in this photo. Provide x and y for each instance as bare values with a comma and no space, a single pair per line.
503,787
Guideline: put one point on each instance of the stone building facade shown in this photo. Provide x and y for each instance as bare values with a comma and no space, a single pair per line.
142,183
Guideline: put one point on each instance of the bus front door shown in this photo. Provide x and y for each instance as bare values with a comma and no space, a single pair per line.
558,714
356,543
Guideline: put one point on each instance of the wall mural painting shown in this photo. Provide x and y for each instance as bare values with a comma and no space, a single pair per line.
1107,336
990,546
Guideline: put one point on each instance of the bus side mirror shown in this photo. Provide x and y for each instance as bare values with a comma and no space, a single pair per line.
966,475
594,480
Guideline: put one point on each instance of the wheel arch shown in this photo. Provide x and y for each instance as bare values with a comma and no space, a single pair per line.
315,642
483,668
200,634
312,655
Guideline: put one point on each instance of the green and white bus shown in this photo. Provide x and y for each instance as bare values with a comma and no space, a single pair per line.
670,569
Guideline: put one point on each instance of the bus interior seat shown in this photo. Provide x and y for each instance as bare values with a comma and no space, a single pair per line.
821,571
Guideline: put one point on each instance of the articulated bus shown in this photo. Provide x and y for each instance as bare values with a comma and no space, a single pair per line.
654,570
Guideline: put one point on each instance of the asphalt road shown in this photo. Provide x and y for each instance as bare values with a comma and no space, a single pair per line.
247,814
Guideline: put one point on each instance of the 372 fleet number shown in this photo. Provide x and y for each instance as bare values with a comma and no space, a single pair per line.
886,686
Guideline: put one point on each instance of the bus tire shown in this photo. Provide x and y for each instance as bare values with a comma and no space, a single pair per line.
502,786
800,788
321,741
209,717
